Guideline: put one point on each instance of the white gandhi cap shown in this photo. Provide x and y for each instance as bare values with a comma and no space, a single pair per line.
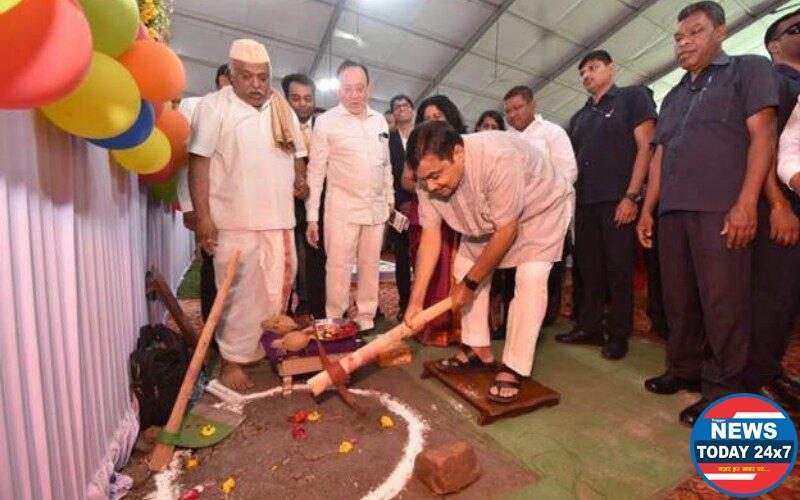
249,51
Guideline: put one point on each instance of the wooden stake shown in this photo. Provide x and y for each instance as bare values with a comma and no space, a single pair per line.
162,453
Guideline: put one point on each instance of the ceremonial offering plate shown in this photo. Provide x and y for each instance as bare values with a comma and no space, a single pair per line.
330,329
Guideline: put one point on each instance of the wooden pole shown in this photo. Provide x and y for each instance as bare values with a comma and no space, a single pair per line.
162,453
368,353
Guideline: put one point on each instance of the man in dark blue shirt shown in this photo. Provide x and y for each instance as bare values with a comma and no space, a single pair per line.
715,144
611,137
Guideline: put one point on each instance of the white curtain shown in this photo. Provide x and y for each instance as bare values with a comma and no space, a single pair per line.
75,242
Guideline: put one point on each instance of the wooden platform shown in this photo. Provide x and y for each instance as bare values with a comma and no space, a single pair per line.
473,387
292,366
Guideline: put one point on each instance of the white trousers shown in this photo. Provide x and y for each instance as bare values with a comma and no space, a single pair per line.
525,315
261,288
344,242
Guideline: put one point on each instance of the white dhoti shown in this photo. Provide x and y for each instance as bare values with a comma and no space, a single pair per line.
344,242
261,288
524,316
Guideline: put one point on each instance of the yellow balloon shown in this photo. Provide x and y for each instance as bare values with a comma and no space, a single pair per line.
148,157
105,104
7,5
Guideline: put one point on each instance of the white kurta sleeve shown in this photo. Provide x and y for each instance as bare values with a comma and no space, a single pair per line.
789,148
206,126
317,169
561,154
182,186
388,178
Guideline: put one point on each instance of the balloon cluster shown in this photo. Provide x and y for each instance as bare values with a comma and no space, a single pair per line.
92,69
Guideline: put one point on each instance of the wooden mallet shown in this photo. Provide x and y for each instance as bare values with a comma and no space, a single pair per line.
162,453
336,373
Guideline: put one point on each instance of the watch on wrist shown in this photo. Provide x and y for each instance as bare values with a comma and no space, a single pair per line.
634,197
471,284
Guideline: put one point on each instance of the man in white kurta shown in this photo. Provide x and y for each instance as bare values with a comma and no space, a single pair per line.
512,210
350,148
542,134
242,187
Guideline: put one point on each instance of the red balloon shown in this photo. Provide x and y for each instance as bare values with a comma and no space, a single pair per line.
45,49
157,70
162,175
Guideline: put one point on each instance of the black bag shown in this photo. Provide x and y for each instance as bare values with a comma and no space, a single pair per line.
158,366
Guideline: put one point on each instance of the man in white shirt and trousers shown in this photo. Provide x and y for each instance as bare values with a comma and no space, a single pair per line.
245,149
554,143
350,148
512,209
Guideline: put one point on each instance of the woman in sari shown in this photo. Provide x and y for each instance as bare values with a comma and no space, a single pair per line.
445,329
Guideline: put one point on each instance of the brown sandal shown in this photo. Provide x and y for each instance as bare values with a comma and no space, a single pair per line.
473,363
505,384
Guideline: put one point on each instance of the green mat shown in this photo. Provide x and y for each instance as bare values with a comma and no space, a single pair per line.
609,438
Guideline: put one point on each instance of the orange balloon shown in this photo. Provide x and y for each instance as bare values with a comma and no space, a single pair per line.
158,108
45,49
176,127
157,70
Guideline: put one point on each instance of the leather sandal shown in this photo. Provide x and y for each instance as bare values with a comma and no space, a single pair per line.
505,384
473,363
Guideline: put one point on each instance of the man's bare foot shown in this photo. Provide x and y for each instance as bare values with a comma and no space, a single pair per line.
234,377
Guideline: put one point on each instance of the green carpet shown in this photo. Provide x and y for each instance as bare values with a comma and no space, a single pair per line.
189,288
608,438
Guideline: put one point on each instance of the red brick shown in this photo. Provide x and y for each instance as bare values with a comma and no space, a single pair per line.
448,468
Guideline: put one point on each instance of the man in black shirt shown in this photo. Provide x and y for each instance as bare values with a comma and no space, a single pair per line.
611,137
403,112
715,144
300,91
776,267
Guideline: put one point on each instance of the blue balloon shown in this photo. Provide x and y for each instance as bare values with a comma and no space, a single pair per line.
137,134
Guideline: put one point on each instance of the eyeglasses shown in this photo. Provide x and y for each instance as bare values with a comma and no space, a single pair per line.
401,105
791,30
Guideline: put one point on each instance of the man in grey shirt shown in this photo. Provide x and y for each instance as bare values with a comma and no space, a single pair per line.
512,209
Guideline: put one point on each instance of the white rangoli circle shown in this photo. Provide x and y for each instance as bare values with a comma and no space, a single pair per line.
391,486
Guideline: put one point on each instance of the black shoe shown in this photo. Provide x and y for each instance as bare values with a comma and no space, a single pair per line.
690,414
301,309
670,384
792,383
782,391
615,349
578,336
660,329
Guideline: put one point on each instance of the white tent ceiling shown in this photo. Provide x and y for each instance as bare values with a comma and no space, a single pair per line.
470,50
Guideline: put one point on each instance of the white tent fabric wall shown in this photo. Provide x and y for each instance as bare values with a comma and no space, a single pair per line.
74,246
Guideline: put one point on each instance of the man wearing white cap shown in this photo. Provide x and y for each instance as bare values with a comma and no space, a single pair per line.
350,148
245,148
